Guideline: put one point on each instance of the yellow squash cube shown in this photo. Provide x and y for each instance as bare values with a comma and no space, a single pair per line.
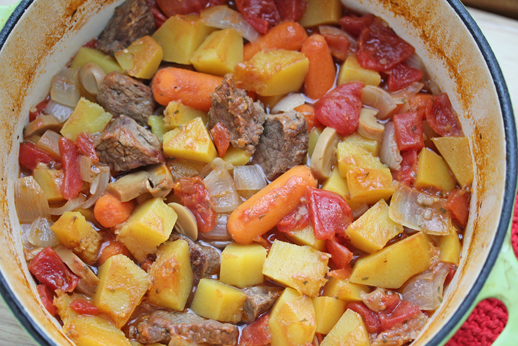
219,53
270,101
371,145
86,55
292,320
455,150
50,181
373,229
433,171
300,267
236,156
122,284
76,234
149,226
344,290
351,155
350,330
306,236
370,185
351,71
191,141
328,311
320,12
172,276
180,36
274,72
177,114
88,117
449,247
242,265
395,264
336,183
142,58
218,301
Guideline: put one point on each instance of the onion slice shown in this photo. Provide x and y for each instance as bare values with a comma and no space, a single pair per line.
217,163
40,234
61,112
289,103
70,205
404,95
426,289
389,152
222,190
88,280
222,17
102,181
219,232
65,87
85,168
249,178
30,200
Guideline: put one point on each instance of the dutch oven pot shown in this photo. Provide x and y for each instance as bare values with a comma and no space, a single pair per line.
41,36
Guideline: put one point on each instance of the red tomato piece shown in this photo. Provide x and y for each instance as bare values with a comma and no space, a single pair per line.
35,111
195,197
174,7
85,145
257,333
402,76
84,307
380,49
294,221
221,138
398,314
50,270
342,274
340,255
458,205
370,318
261,14
291,10
91,44
329,213
442,118
340,108
409,131
419,103
408,171
72,181
31,155
354,24
47,297
338,45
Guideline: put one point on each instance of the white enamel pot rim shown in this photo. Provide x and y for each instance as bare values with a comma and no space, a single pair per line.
484,281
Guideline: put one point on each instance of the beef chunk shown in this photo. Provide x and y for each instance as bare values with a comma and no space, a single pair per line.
259,299
284,143
126,145
162,325
122,95
241,116
131,21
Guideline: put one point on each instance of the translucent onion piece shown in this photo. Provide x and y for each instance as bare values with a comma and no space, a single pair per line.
289,103
40,234
415,61
65,87
420,211
434,88
102,181
426,289
217,163
85,168
24,230
219,232
249,178
70,205
61,112
30,200
50,143
222,190
389,152
404,95
222,17
331,30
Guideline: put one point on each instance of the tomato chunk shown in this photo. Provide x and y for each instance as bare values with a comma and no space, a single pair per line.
442,118
257,333
31,155
458,205
261,14
50,270
403,76
370,318
195,197
84,307
419,103
72,181
85,145
397,315
380,49
408,171
338,45
174,7
47,297
291,10
354,24
35,111
340,255
340,108
409,131
329,213
296,220
221,138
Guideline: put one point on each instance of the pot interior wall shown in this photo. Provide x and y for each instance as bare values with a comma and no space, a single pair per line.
51,31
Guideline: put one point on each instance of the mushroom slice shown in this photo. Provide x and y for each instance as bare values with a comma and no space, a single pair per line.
91,78
129,186
160,181
87,279
369,126
186,222
324,153
380,99
42,124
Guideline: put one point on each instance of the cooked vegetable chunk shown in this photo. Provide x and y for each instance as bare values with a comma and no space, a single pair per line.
344,289
50,181
86,55
370,185
433,171
177,114
455,150
236,156
350,327
306,236
320,12
371,145
449,246
351,71
242,265
142,58
336,183
350,156
328,311
87,117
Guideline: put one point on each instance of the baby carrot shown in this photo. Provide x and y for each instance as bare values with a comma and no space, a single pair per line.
309,113
265,209
192,88
109,211
321,73
109,249
287,35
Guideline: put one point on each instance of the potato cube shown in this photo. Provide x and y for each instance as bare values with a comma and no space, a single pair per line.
50,181
349,330
149,226
336,183
156,122
177,114
218,301
292,320
87,116
171,275
270,101
300,267
274,72
328,311
219,53
351,71
86,55
242,265
142,58
350,156
306,236
122,284
370,185
320,12
76,234
395,264
449,246
371,145
191,141
344,290
180,36
433,171
455,150
373,229
236,156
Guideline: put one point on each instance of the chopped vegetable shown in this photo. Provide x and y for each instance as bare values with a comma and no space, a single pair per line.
261,14
221,138
50,270
30,200
30,156
328,212
195,197
321,72
109,211
72,182
442,118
